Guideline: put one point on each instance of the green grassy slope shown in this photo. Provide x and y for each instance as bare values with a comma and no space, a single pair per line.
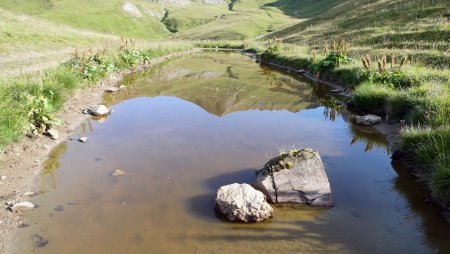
238,25
97,15
419,28
36,34
156,20
20,33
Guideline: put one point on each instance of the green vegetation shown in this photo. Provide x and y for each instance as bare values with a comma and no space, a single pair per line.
220,44
409,79
100,16
394,55
28,102
432,148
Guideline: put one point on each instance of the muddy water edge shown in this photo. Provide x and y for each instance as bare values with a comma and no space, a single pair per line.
184,128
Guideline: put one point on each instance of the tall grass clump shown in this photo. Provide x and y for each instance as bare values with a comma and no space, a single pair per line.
392,76
372,96
432,150
337,56
273,49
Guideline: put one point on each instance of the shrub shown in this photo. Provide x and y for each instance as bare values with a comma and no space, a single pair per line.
273,49
40,110
432,149
392,77
131,56
334,58
91,66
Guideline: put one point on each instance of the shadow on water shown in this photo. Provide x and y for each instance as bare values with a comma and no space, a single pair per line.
433,224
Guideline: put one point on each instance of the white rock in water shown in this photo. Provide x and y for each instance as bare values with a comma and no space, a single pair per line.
99,110
241,202
83,139
3,178
22,206
367,120
295,177
118,172
53,133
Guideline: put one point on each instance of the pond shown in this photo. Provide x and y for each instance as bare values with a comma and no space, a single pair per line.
188,126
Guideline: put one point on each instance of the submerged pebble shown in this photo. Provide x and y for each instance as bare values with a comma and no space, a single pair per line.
59,208
39,241
118,172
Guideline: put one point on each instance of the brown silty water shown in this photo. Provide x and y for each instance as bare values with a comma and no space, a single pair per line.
191,125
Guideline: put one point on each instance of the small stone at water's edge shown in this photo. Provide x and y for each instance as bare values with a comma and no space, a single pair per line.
53,133
112,89
367,120
99,110
3,178
118,172
83,139
29,194
22,206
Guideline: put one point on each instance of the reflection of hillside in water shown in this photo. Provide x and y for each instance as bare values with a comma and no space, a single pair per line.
225,83
228,83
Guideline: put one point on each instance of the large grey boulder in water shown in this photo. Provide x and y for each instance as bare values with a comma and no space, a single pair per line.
242,203
295,177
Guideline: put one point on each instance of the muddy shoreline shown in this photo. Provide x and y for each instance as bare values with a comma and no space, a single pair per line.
22,162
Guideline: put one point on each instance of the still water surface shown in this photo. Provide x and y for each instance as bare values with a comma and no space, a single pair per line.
189,126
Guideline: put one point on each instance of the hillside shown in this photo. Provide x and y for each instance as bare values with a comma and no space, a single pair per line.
157,19
418,28
390,58
37,34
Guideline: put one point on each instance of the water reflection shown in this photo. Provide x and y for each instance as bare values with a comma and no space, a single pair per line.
201,122
436,230
247,89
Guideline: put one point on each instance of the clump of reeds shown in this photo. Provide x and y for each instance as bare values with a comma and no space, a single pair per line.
126,43
382,62
367,62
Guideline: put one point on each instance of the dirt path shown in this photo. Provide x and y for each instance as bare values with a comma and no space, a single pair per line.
22,162
24,63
